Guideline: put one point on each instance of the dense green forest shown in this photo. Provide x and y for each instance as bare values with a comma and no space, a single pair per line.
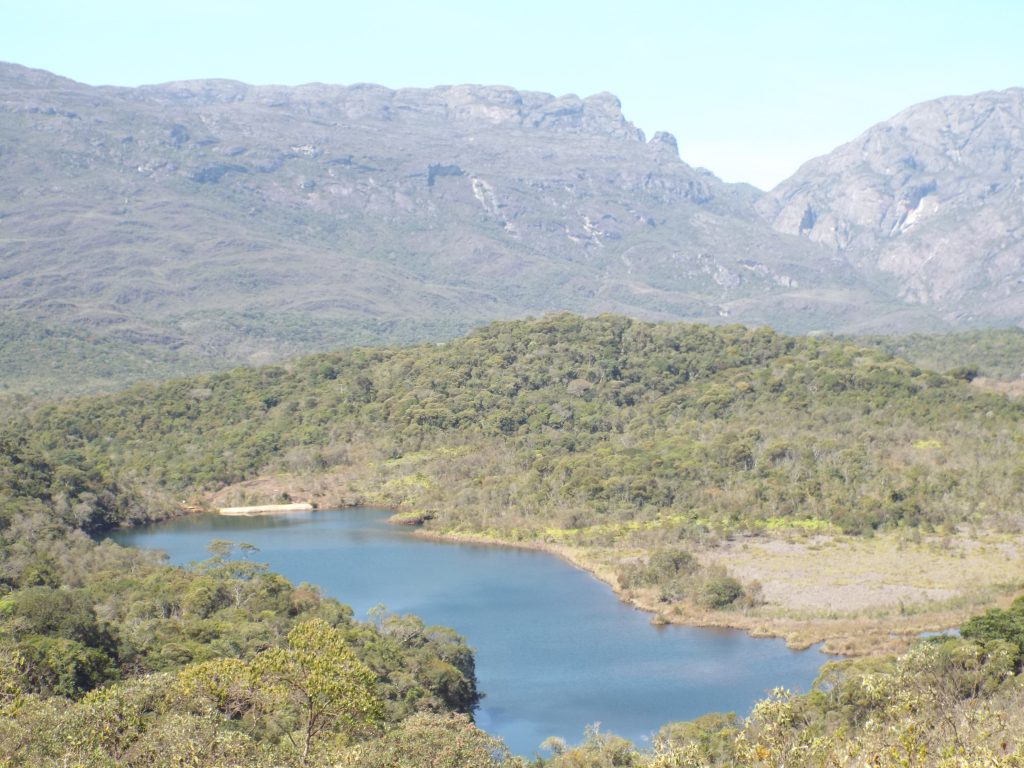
110,657
647,439
583,421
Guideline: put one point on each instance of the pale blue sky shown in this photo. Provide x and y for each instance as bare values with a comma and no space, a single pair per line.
750,89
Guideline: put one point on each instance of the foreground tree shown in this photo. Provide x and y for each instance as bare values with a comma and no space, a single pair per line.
317,678
434,740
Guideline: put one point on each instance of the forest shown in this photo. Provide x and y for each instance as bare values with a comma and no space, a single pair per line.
586,422
623,443
636,444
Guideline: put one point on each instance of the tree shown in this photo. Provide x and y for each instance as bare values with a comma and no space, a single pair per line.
598,750
427,739
997,624
318,676
12,681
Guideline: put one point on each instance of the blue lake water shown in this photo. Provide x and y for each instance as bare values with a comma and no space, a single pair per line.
555,649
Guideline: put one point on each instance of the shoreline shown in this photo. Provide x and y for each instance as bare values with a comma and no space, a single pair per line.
265,509
692,618
840,628
854,636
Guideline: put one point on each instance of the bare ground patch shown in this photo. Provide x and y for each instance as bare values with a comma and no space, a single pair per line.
874,575
870,595
855,595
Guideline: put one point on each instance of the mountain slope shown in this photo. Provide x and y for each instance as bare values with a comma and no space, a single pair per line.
933,197
220,222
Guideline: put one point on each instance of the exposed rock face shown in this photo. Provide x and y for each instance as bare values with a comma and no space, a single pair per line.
238,223
666,141
933,197
248,222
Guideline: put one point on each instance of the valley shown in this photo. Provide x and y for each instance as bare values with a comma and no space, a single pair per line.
855,595
802,488
524,328
554,650
805,488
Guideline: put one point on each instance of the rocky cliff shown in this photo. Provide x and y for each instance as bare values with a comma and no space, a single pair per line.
156,230
933,197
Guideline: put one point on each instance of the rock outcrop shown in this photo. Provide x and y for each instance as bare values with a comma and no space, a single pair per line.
241,223
933,197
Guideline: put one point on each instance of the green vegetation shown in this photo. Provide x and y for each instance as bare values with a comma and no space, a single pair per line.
997,624
109,657
994,353
585,422
676,574
228,665
603,432
643,442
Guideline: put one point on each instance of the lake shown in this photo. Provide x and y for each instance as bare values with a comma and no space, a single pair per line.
555,649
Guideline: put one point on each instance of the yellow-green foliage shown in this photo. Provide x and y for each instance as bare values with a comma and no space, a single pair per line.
593,432
948,703
689,426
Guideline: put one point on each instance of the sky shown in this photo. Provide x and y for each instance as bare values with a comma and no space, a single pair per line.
751,90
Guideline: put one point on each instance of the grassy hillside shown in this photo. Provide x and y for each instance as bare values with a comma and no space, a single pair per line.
45,359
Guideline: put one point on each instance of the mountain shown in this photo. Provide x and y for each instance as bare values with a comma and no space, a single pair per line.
933,197
156,231
165,229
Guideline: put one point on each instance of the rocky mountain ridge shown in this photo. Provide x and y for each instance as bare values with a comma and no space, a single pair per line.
199,224
933,196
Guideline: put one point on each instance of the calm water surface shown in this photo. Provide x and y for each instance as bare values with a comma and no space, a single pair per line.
555,649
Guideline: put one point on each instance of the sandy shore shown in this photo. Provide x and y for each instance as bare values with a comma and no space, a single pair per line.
265,509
